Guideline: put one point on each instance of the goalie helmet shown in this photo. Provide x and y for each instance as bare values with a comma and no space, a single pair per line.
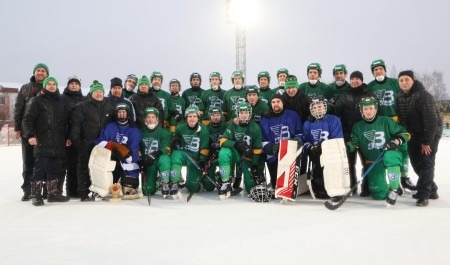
244,107
368,101
259,193
315,107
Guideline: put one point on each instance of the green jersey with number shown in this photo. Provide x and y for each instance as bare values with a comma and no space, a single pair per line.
386,93
153,140
230,100
212,98
164,97
194,141
371,137
175,104
250,134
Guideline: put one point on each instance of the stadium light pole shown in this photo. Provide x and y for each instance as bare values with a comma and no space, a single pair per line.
241,13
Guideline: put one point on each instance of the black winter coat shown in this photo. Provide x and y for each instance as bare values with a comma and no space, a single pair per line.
88,118
115,100
71,98
46,118
141,101
347,107
417,111
298,103
26,92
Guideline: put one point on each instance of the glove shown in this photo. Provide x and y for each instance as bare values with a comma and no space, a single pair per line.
315,150
202,165
243,148
257,176
152,157
214,155
393,144
274,148
120,151
176,115
176,144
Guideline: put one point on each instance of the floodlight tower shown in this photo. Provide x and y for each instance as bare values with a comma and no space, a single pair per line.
240,13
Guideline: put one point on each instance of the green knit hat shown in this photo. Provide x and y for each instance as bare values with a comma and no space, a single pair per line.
41,65
143,80
49,79
291,81
96,86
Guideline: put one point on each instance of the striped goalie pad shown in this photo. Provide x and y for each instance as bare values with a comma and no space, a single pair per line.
336,173
288,170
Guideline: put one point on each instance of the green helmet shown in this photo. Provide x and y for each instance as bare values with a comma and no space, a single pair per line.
368,101
156,74
174,80
282,71
236,74
264,74
314,66
251,89
151,110
244,106
339,67
376,63
191,109
195,75
215,74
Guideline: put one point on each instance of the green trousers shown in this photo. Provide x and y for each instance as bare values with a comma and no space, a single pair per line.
379,186
162,166
229,156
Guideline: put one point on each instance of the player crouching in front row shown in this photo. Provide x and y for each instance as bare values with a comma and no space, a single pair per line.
376,135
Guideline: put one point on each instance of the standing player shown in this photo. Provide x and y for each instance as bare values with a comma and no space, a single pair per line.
265,93
233,96
192,95
176,104
156,80
282,74
314,87
339,86
213,97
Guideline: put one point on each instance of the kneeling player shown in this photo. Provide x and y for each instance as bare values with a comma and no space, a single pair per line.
241,144
155,154
123,138
372,135
190,139
216,128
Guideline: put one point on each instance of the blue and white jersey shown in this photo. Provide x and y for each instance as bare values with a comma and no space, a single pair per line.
316,131
275,128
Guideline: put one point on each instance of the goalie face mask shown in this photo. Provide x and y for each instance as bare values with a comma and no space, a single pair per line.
259,193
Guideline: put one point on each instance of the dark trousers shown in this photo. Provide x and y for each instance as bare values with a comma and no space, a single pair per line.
47,168
273,167
71,165
352,158
84,179
423,165
28,164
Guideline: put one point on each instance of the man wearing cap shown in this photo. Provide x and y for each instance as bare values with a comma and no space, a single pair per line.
315,88
294,99
87,120
26,92
71,96
130,85
116,96
339,86
386,89
416,110
347,109
45,126
279,124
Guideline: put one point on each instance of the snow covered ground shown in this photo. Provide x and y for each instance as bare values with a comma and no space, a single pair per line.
209,231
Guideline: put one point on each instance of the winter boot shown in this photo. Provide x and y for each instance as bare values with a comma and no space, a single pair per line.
392,197
44,190
129,188
225,187
53,192
407,183
364,188
165,189
26,196
36,189
422,202
174,189
84,195
434,195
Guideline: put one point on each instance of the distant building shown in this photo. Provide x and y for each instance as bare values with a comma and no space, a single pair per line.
8,97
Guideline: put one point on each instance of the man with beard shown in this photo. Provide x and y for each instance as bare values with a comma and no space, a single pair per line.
259,108
145,98
294,99
130,85
26,93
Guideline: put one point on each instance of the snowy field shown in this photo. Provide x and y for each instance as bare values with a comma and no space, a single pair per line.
232,232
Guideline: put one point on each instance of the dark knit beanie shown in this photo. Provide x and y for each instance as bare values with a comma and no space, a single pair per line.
408,73
116,82
75,79
279,96
357,74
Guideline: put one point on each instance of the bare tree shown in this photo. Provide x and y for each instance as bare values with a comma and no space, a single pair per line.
434,84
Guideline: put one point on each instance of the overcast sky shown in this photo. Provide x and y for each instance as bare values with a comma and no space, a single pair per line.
106,38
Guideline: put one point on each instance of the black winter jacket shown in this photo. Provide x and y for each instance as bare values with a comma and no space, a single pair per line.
347,107
88,118
26,92
417,111
141,101
46,118
298,103
115,100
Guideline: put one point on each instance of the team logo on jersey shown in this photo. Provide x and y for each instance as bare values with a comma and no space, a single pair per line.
319,135
192,143
194,100
376,139
256,118
215,102
214,140
386,97
236,100
265,101
151,145
121,138
163,102
281,132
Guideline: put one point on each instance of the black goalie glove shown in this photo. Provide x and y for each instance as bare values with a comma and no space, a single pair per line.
243,148
315,150
257,176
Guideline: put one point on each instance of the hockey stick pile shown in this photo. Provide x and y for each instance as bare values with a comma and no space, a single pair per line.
333,205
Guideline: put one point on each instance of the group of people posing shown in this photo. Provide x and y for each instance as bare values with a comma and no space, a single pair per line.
152,133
